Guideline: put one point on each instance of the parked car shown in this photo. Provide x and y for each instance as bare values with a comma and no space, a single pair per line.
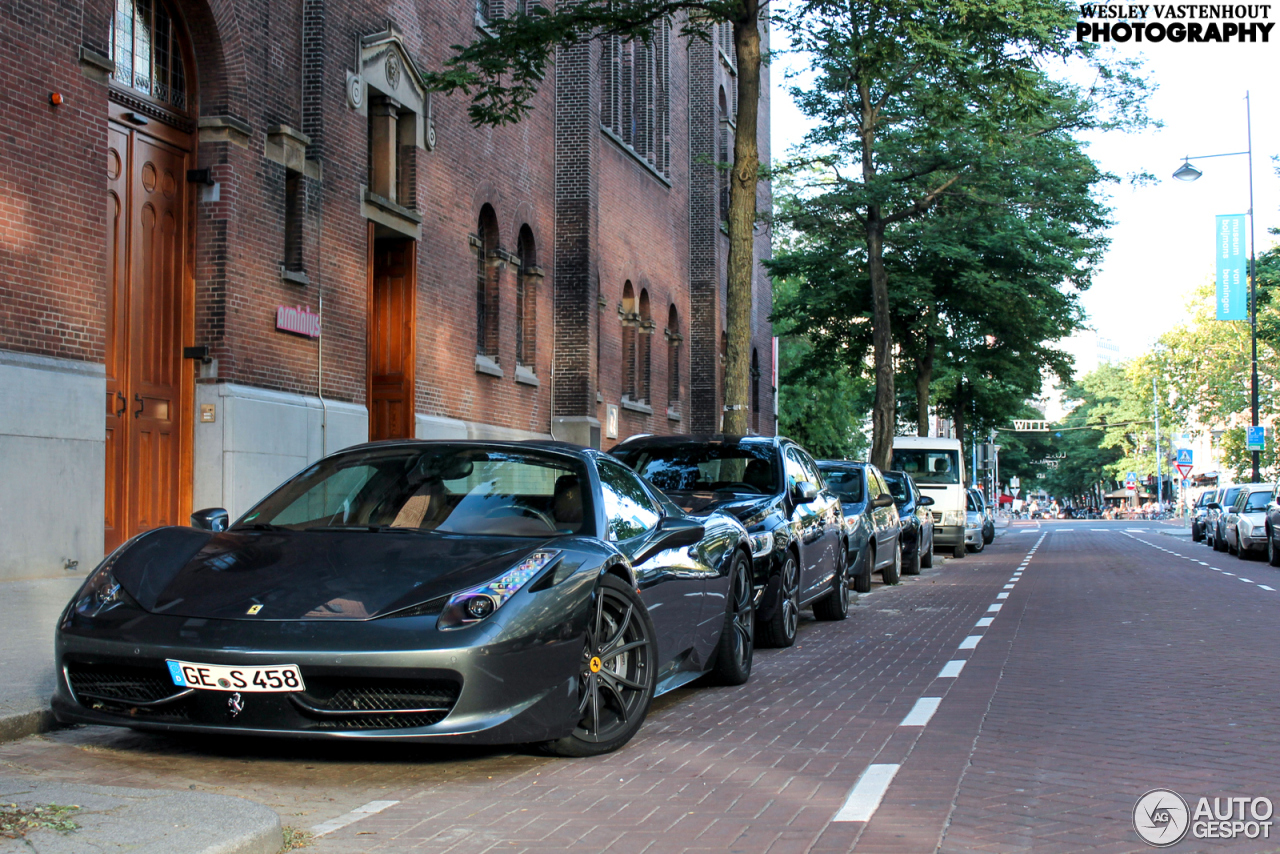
917,521
1200,513
773,487
937,466
988,518
464,592
1246,520
1272,528
872,523
1215,535
974,521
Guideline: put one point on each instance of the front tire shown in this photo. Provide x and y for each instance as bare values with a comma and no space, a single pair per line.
893,572
1273,553
780,630
835,605
1242,551
926,557
618,673
958,550
736,648
1218,544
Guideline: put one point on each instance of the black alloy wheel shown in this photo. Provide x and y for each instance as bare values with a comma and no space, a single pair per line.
835,605
1273,552
737,644
618,676
862,581
780,630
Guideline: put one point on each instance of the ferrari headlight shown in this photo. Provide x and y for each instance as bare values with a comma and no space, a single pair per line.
471,606
952,518
101,593
761,544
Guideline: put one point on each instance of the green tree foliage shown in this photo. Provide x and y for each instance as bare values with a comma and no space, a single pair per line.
916,102
822,409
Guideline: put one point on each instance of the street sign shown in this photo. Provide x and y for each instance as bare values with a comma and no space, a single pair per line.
1184,469
1015,482
1131,481
1256,439
1184,457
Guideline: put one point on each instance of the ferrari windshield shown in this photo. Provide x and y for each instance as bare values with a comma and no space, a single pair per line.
442,488
706,467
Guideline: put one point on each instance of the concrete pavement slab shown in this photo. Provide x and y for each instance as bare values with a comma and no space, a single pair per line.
142,821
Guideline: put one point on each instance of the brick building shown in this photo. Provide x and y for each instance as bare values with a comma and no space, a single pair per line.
247,227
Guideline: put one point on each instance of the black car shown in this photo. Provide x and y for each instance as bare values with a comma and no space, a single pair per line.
872,527
773,487
1200,514
460,592
917,521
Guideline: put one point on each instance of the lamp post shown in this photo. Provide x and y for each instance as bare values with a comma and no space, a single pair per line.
1187,172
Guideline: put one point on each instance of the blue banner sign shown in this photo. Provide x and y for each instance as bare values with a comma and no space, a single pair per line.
1184,456
1232,297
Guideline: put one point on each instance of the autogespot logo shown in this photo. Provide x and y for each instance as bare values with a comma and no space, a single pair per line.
1161,817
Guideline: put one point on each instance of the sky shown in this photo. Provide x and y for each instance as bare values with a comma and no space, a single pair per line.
1162,240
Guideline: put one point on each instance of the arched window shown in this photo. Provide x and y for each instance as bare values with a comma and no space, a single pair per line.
487,284
755,389
629,322
147,51
644,344
527,301
673,359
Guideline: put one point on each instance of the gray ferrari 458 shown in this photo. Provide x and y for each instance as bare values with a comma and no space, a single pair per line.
421,591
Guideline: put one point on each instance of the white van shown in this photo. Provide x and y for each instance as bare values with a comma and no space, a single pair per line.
937,467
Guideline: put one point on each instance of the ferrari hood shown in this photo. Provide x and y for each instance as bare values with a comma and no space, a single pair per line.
306,575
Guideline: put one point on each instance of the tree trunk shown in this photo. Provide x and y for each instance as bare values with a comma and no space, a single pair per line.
742,220
924,378
958,416
884,412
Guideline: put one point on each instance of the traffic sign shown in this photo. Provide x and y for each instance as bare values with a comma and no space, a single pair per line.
1184,457
1131,481
1184,469
1256,439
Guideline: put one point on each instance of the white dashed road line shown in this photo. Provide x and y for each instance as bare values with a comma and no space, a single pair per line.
867,793
922,711
951,669
971,642
984,622
992,609
371,808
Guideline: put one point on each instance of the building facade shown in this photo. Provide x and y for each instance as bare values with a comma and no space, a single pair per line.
250,230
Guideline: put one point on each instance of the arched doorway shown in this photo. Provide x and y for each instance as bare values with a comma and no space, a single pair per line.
150,147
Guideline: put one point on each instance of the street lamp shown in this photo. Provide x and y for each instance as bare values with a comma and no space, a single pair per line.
1187,172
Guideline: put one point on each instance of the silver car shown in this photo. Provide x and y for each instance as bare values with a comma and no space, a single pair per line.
1214,533
1246,520
974,521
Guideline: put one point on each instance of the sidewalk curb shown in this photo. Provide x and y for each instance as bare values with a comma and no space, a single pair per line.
22,724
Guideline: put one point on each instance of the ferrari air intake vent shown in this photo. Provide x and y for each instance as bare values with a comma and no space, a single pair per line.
115,688
340,703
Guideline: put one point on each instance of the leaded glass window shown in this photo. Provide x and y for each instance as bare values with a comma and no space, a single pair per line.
147,52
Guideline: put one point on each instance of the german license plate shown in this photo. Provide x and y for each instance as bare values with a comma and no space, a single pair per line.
276,678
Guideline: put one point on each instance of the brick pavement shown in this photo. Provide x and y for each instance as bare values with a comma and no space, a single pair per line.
1112,667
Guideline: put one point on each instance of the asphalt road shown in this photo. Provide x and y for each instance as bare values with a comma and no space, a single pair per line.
1021,699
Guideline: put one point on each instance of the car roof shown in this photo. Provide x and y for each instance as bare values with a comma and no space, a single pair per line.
702,439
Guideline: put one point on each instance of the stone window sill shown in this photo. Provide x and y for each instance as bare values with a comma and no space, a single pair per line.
294,277
526,376
617,140
487,365
673,414
636,406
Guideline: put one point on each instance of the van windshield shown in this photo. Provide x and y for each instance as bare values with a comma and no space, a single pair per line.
928,466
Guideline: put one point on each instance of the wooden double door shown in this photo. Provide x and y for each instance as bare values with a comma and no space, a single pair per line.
148,395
